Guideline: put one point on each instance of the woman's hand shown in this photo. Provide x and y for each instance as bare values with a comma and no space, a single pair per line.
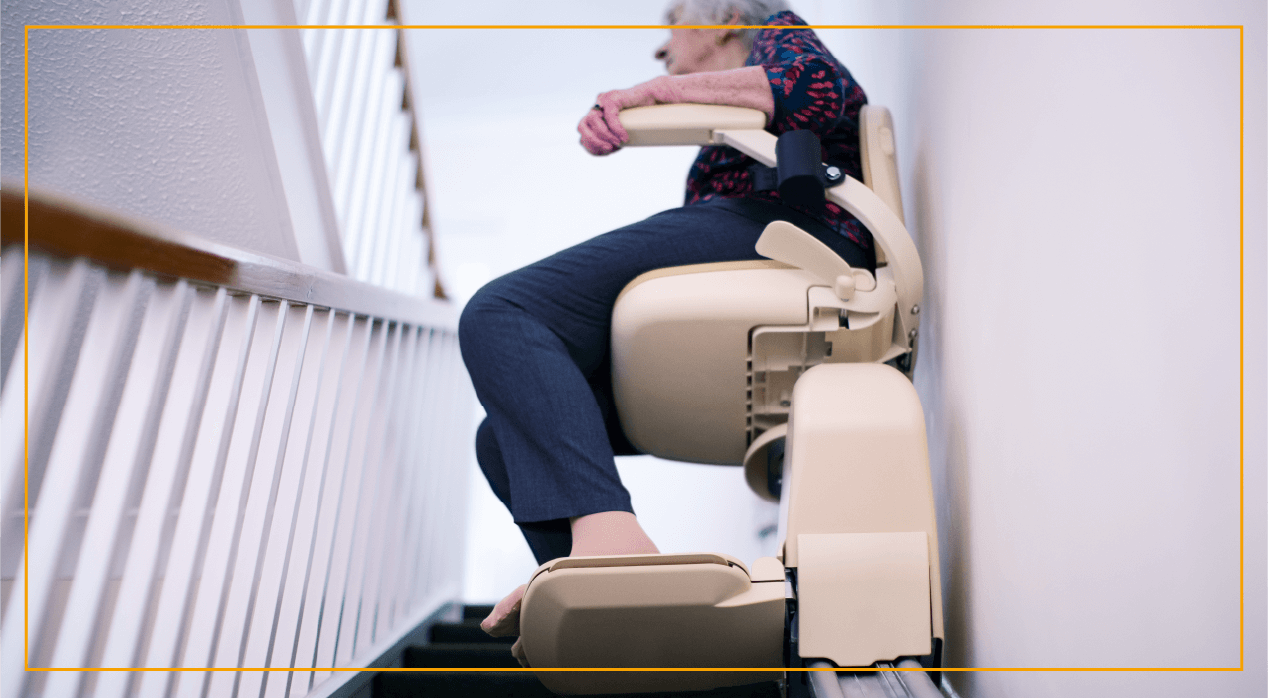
601,130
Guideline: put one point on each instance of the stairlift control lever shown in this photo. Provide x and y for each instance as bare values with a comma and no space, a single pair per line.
785,242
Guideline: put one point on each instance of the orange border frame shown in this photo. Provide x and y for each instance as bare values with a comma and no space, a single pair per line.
1242,225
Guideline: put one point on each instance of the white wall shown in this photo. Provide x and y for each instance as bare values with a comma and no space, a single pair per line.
287,97
167,124
1074,194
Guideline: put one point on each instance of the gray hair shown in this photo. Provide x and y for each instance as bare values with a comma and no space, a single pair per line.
752,12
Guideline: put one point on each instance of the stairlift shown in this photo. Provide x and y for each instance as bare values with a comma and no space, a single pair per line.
796,368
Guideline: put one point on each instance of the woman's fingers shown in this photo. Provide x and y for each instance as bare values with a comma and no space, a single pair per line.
594,136
600,120
595,120
611,115
601,129
592,143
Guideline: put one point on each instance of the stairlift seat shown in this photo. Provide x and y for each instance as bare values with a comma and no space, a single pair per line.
680,345
704,356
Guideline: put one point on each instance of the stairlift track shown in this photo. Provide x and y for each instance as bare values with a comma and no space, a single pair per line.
874,684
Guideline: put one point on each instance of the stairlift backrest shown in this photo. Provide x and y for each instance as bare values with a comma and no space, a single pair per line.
880,160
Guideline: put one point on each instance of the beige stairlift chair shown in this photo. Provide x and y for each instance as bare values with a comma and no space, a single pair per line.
793,368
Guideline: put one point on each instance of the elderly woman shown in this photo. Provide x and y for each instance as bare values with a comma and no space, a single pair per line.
536,340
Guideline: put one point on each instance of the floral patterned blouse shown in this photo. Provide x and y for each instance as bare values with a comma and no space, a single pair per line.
812,91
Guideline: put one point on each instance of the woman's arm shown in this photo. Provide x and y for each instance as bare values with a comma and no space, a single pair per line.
601,131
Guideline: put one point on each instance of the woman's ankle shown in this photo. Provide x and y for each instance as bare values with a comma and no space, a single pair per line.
609,533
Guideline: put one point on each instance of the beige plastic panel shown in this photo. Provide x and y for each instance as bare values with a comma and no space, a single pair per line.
759,145
879,152
863,597
680,352
880,156
767,569
665,616
756,464
685,124
857,461
587,561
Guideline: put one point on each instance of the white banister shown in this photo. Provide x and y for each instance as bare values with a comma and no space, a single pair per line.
233,461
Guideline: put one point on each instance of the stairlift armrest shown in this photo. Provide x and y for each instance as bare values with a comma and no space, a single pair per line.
687,124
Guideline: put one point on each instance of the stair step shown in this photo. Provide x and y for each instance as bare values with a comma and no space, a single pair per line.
484,684
468,631
496,684
463,645
478,611
460,655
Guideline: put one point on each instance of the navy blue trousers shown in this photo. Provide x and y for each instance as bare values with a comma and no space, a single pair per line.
535,342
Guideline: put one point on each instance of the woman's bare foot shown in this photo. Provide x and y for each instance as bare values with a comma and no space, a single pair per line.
604,533
609,533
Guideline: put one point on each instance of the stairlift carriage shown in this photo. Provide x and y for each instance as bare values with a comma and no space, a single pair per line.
726,363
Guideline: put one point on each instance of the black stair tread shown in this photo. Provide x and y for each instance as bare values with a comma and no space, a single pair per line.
477,611
522,685
463,645
459,684
468,631
767,689
460,656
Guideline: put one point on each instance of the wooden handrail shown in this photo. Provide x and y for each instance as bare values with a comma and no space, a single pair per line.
63,227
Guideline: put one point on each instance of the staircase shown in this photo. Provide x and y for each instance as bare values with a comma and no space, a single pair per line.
463,645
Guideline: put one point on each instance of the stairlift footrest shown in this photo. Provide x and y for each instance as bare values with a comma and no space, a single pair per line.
863,597
694,611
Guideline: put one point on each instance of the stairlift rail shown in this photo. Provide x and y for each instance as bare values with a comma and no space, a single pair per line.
872,684
823,684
